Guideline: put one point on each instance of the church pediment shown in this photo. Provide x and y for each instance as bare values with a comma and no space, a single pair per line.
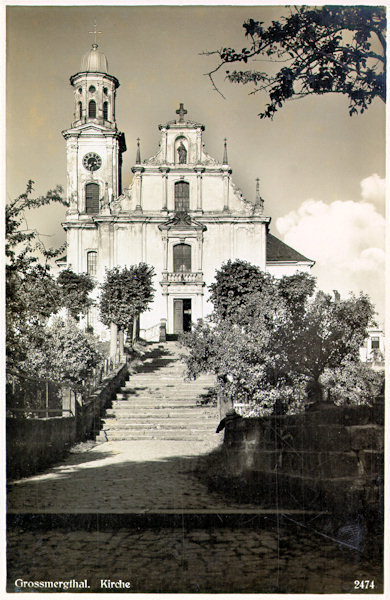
182,221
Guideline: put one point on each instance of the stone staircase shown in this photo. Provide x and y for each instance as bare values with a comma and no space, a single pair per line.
156,402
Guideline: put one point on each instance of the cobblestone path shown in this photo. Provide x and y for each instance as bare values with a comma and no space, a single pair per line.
252,559
133,509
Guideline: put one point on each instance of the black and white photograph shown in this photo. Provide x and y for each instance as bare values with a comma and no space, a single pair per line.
195,298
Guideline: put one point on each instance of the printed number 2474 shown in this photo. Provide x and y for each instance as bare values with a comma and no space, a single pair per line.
364,584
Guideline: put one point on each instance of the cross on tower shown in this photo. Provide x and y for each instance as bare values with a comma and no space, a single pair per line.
181,112
95,32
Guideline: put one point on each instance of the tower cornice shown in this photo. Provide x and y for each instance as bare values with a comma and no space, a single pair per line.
93,75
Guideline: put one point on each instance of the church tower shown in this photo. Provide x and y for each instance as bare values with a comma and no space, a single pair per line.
94,144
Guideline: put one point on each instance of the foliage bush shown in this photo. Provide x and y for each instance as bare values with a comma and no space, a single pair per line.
275,344
63,353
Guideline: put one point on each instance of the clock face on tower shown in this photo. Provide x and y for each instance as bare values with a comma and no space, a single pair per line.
92,161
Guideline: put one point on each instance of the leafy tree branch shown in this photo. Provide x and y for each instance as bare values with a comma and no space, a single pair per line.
329,49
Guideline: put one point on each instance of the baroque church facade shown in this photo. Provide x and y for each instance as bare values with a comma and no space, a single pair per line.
182,213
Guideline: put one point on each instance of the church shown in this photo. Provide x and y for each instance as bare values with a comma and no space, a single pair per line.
182,213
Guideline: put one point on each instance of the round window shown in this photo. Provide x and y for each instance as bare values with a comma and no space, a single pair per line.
80,90
92,89
105,90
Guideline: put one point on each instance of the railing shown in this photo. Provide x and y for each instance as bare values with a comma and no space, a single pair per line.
155,333
32,397
98,374
187,277
150,333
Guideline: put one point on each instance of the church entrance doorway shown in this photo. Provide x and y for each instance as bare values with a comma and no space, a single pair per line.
181,315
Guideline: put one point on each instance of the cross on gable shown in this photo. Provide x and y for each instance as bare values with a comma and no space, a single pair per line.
181,112
95,32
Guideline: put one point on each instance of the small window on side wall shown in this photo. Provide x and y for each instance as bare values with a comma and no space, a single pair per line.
105,111
80,110
375,343
91,263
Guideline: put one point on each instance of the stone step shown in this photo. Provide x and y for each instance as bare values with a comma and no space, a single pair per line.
166,384
157,435
158,386
159,417
171,391
164,412
161,414
171,395
158,403
114,425
160,395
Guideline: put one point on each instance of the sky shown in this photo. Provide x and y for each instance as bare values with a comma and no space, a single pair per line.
321,171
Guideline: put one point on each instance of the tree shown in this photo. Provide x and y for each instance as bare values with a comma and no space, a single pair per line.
234,282
352,383
31,291
125,294
22,243
75,289
64,354
274,345
328,49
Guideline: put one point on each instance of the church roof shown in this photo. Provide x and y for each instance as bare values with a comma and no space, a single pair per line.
94,61
278,251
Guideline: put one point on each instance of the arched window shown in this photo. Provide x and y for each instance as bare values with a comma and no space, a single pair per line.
182,196
181,258
91,262
80,110
92,198
105,111
92,109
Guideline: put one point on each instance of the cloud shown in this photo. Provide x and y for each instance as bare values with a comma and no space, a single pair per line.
345,238
373,189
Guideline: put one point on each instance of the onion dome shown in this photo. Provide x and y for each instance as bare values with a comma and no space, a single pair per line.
94,61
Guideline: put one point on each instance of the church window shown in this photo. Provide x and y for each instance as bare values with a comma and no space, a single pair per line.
375,343
80,90
80,110
105,111
92,89
91,262
182,196
181,258
105,90
92,109
91,198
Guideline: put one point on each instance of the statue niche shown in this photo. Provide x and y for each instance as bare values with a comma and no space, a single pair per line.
181,150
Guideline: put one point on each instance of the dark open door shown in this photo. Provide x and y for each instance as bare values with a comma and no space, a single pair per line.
187,318
178,316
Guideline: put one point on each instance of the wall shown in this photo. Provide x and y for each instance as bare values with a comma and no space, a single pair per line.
329,459
31,441
34,444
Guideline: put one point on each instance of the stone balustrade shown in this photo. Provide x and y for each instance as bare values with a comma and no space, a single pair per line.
187,277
